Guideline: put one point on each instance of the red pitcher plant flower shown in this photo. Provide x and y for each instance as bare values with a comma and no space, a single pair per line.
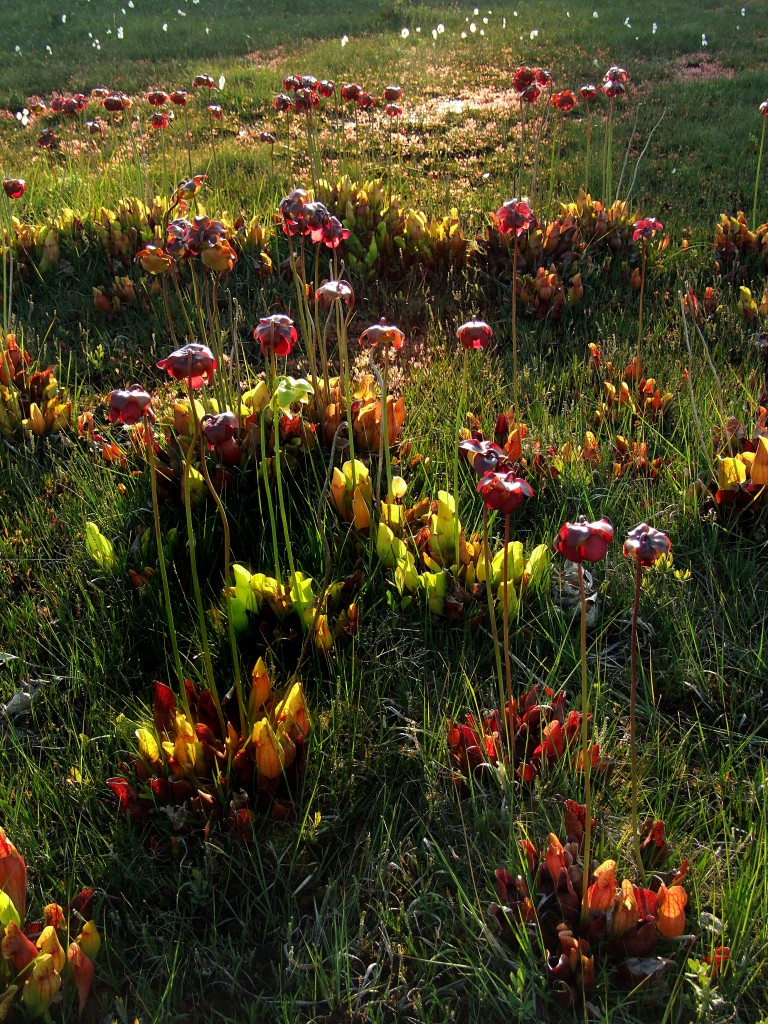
157,98
563,101
350,92
474,334
193,363
131,405
180,97
583,541
291,83
276,334
14,188
215,111
588,92
326,88
392,94
203,81
219,433
160,119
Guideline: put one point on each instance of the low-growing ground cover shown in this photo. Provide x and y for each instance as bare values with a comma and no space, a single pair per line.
333,820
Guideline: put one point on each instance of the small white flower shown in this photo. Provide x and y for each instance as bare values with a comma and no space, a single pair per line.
120,33
49,50
704,39
654,28
182,14
404,32
482,31
90,35
626,22
473,27
743,12
485,21
17,48
534,33
434,33
476,11
130,4
165,26
123,10
595,14
463,35
503,22
567,14
440,29
344,40
418,28
63,19
207,30
109,31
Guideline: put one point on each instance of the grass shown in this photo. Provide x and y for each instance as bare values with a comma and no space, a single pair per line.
373,905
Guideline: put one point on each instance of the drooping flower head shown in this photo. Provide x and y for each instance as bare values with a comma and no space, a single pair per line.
613,89
292,208
99,93
393,110
304,100
392,93
563,101
116,102
154,259
531,94
350,92
48,139
764,108
203,81
588,92
474,334
219,257
193,363
646,228
95,127
276,334
504,492
160,119
180,97
14,188
291,83
157,98
334,233
267,137
315,219
215,111
483,456
282,103
326,88
514,217
383,333
189,188
616,74
203,233
583,541
219,429
522,78
646,545
335,291
543,77
309,82
131,405
176,231
366,100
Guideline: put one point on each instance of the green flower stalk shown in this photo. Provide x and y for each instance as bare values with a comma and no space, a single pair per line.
386,335
764,112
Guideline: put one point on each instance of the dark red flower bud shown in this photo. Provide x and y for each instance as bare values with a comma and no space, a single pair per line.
515,217
218,429
14,188
564,101
583,541
504,492
282,103
203,81
326,88
522,78
291,83
588,92
392,93
157,98
393,110
194,363
131,405
276,334
646,545
309,82
366,100
350,92
159,119
179,97
215,111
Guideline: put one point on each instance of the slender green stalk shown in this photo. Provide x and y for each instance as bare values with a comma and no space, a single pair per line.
589,139
278,473
505,581
161,563
586,760
341,326
555,133
638,367
193,563
632,727
494,624
757,175
186,139
514,331
385,424
267,488
459,421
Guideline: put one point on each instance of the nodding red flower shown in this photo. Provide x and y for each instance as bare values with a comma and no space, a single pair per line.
393,110
116,102
564,101
515,217
335,291
203,233
56,104
764,108
543,77
95,127
48,139
99,93
157,98
350,92
474,334
70,107
646,228
392,93
522,78
200,81
315,219
215,111
531,94
503,492
14,188
193,363
326,88
483,456
588,92
190,186
160,119
304,100
309,82
366,100
154,259
180,97
616,74
292,206
613,89
291,83
334,233
276,334
646,545
267,137
219,429
583,541
80,100
131,405
176,232
282,103
383,333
